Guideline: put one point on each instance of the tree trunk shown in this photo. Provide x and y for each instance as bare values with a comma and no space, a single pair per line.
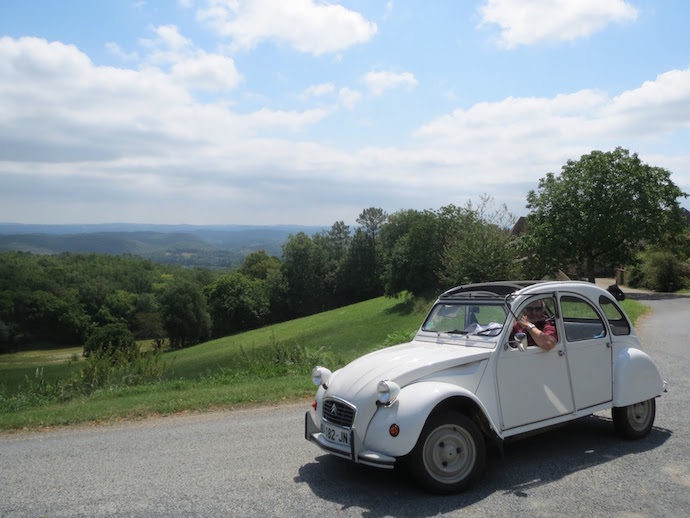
590,269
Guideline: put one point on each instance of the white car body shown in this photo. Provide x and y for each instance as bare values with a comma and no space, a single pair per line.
504,390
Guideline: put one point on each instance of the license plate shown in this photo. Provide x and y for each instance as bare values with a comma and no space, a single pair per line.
335,434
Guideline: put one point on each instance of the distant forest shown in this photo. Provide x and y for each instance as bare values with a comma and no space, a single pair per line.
61,298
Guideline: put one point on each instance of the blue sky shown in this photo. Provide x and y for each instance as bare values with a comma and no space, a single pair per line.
306,112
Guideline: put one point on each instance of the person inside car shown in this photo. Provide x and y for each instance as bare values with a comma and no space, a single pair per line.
536,324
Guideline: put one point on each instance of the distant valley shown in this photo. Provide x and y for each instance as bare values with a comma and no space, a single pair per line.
210,246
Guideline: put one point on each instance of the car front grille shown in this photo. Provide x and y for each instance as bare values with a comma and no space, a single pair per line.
338,412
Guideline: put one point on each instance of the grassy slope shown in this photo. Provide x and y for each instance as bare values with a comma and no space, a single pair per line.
346,332
207,375
196,382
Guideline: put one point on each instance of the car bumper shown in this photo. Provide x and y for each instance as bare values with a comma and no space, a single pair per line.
312,433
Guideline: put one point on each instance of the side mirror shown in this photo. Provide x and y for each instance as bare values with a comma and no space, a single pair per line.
521,339
616,292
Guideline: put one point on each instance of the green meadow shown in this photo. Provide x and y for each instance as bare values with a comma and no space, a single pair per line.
264,366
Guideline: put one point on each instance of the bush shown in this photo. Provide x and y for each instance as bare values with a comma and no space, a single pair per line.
112,339
119,370
660,271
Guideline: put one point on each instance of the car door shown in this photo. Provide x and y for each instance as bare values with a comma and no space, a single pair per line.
533,385
588,348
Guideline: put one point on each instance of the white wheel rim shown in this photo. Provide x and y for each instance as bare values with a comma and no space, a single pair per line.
449,454
639,415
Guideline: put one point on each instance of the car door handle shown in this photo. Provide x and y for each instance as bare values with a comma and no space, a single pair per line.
561,353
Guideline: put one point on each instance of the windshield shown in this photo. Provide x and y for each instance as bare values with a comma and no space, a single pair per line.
467,318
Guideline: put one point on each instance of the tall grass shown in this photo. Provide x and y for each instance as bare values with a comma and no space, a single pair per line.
96,373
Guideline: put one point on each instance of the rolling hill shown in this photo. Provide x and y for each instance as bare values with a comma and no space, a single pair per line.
214,246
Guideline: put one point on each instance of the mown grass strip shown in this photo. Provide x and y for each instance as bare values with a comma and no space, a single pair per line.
162,399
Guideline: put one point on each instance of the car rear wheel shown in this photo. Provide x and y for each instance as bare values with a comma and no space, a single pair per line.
634,421
450,454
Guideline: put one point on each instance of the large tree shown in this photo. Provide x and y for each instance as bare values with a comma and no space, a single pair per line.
183,313
599,211
303,270
236,303
372,219
413,244
358,275
479,245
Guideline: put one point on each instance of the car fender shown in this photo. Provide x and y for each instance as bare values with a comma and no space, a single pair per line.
635,378
409,412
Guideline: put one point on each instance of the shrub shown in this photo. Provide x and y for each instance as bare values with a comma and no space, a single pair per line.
112,339
661,271
119,370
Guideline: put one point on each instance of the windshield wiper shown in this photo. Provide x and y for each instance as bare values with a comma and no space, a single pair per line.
455,332
489,331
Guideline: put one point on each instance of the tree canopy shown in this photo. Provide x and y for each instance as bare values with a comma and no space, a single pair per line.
599,211
184,313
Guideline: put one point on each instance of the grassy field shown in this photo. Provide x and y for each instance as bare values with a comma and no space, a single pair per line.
263,366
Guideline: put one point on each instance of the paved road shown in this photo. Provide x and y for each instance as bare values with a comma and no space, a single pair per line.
256,463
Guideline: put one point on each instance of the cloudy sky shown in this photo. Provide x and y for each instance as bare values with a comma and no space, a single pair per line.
306,112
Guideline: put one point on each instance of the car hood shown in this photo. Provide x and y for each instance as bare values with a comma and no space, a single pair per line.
402,363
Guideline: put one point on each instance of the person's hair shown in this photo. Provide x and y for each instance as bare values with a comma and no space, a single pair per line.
542,307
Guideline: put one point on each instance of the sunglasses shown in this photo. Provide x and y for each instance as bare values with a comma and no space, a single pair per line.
534,309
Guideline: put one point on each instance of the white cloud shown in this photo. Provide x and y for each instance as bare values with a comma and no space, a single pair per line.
115,50
308,26
290,120
172,38
210,72
348,97
379,82
61,107
192,66
527,22
114,141
514,120
657,107
318,90
515,137
389,9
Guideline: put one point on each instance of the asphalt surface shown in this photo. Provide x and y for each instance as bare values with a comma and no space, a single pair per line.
249,463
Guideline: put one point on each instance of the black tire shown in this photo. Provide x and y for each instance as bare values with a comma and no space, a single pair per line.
634,421
450,454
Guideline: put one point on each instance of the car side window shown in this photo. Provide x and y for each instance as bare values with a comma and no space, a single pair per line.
580,319
619,324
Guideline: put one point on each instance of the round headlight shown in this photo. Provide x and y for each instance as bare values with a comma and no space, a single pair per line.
387,391
320,376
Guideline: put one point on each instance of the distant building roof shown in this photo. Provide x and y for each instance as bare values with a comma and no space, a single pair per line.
520,226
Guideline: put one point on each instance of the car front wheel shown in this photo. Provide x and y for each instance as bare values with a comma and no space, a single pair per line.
450,454
634,421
